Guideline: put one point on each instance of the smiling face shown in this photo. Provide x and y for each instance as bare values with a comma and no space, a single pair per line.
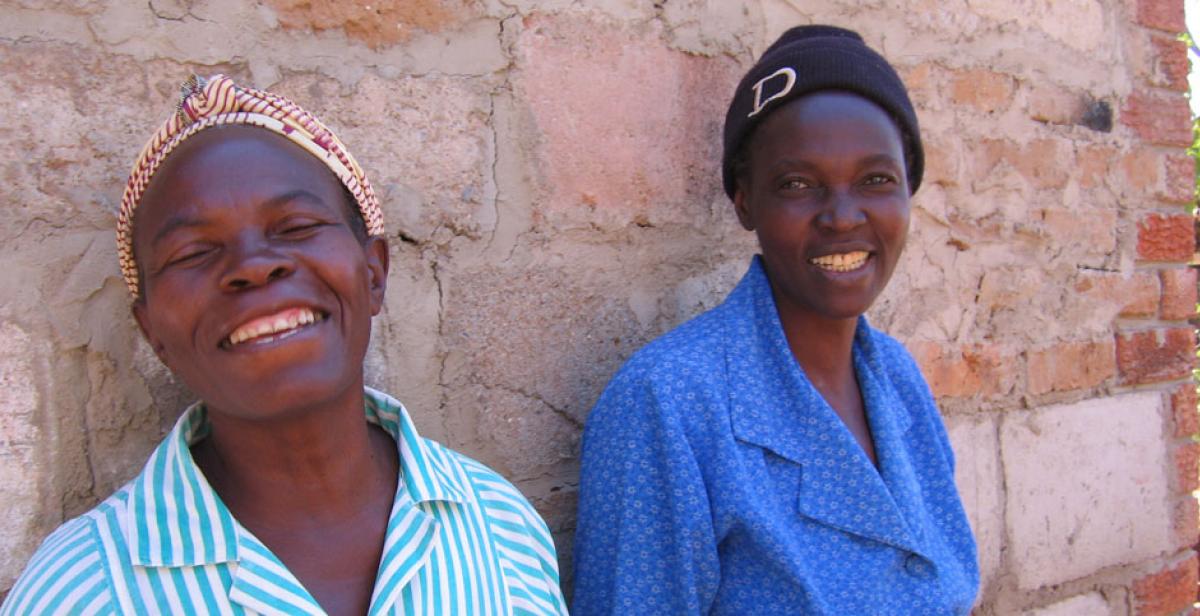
825,189
256,292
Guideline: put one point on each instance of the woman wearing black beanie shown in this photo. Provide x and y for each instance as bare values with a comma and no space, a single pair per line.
777,455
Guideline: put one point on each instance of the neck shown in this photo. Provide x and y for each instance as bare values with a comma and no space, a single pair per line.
821,346
323,463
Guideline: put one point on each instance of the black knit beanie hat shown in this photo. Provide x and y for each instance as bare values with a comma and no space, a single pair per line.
804,60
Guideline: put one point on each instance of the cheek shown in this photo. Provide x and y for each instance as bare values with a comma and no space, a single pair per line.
170,330
894,224
784,231
172,338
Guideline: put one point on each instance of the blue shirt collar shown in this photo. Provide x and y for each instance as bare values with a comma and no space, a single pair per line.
774,406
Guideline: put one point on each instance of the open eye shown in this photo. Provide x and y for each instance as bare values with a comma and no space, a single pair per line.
879,179
795,183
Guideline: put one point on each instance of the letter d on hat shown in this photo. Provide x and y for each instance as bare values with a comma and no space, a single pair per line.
787,87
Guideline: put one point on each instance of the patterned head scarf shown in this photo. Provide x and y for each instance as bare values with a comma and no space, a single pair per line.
216,101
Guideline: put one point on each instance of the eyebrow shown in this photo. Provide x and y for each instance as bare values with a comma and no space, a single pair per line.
178,221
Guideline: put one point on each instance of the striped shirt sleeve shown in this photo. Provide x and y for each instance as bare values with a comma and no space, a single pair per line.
65,576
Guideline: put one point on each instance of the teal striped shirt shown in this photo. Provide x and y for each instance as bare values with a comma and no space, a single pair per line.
460,540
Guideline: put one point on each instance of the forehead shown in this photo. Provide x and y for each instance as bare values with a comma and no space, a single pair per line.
835,119
232,165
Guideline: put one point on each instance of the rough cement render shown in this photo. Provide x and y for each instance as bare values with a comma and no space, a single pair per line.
1105,501
549,173
1091,604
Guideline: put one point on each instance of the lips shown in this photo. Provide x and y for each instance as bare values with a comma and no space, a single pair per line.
276,326
841,262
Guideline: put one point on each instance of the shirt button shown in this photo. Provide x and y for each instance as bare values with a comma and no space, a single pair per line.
913,565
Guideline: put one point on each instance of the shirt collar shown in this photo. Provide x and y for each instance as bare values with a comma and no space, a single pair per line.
175,519
775,407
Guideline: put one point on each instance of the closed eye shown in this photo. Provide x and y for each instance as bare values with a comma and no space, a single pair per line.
300,229
188,257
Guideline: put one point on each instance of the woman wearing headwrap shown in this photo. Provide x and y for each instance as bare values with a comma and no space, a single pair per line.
253,246
776,454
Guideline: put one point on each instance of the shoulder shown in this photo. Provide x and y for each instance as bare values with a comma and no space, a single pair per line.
892,359
69,571
696,342
900,363
671,393
909,384
521,537
496,494
500,502
689,357
695,353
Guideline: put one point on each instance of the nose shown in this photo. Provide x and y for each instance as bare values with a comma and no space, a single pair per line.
254,263
841,212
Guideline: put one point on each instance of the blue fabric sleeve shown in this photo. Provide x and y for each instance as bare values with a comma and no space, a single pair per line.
645,542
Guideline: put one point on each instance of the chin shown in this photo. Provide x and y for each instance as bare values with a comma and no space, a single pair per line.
276,397
841,311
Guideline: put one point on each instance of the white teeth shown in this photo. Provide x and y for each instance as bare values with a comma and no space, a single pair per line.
843,262
272,325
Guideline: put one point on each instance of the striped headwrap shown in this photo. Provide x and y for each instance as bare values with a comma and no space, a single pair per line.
215,101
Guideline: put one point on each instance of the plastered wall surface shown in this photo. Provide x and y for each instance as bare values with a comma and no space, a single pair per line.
549,173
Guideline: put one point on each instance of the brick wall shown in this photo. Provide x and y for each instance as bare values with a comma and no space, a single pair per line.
1063,433
550,179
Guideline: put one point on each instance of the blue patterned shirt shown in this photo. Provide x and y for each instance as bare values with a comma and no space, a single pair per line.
717,480
460,540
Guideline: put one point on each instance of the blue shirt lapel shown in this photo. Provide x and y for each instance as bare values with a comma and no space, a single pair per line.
775,407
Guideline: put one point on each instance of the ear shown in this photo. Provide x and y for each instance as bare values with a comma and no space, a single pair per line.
377,270
742,208
143,320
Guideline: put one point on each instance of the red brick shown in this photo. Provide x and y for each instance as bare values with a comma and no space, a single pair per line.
924,81
1095,229
1178,293
1162,119
1054,104
1181,179
1166,238
1140,169
378,24
985,90
1187,467
1185,416
971,371
941,161
1168,591
1044,163
1093,164
1040,161
1137,295
1170,63
1155,355
1141,295
1165,15
1070,365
